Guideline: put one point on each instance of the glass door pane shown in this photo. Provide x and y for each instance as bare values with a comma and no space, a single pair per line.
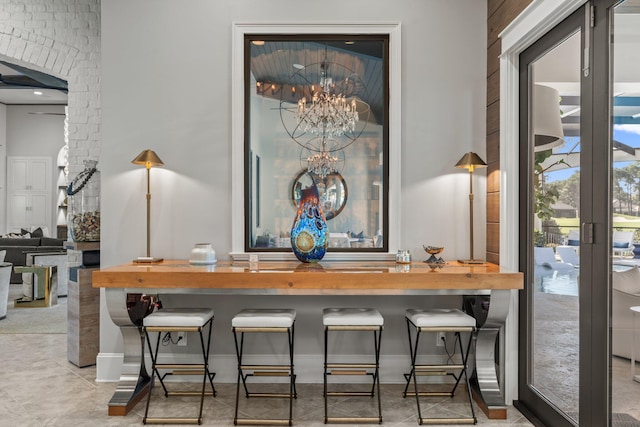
554,294
625,202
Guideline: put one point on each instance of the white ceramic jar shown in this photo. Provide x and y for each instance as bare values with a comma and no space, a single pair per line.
203,253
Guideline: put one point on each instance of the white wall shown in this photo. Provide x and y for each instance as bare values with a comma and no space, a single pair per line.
33,134
166,77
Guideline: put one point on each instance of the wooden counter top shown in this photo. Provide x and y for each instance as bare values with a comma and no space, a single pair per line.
292,277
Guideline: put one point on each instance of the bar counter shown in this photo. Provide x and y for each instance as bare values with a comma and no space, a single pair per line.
295,278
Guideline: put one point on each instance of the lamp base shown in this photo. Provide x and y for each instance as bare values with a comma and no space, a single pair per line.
472,261
147,260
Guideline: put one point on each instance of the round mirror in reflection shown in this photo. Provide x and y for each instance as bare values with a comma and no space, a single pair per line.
332,190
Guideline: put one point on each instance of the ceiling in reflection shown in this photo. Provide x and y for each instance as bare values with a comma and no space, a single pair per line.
561,69
291,63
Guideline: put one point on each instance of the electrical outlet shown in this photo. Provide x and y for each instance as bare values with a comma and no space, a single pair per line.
182,339
440,338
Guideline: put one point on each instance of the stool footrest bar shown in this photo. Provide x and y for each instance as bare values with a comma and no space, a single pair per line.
432,421
271,374
350,365
431,373
287,395
349,393
438,367
172,421
187,371
348,373
353,420
250,422
188,393
265,367
180,366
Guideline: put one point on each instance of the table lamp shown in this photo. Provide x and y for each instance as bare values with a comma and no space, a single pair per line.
148,159
470,161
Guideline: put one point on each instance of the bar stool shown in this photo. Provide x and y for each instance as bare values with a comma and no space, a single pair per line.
440,320
264,321
353,319
179,320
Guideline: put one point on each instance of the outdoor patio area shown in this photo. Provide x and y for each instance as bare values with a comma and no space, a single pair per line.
556,344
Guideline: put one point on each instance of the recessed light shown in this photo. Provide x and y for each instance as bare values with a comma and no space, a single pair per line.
37,92
258,42
298,66
349,42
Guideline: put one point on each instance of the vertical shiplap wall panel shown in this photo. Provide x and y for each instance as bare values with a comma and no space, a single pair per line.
499,14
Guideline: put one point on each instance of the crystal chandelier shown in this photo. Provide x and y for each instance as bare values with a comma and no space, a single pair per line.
327,115
322,163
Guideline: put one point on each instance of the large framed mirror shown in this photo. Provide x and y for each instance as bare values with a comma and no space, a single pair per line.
317,103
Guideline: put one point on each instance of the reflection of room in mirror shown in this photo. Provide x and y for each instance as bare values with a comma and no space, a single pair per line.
357,64
332,190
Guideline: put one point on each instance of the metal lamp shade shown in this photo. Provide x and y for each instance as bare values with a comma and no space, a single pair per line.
148,158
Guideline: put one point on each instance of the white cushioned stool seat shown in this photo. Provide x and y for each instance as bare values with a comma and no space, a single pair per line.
351,317
178,317
439,317
264,318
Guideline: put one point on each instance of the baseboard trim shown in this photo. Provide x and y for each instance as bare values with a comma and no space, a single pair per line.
108,367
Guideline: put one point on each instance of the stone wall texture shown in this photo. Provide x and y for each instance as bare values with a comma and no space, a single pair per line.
61,38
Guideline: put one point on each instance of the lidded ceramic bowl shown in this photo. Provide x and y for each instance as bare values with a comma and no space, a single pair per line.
203,253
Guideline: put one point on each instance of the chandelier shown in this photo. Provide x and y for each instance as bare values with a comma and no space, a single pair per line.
322,164
323,113
327,115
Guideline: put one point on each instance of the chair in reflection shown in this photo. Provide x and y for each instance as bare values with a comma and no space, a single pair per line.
622,242
573,238
568,255
546,262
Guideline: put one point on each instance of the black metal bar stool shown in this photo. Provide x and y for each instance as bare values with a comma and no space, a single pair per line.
440,320
264,321
179,320
359,320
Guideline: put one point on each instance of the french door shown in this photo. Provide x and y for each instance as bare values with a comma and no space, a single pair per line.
567,165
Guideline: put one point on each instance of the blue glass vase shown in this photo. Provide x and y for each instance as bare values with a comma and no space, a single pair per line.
309,237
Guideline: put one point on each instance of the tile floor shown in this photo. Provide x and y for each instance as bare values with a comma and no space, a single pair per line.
38,387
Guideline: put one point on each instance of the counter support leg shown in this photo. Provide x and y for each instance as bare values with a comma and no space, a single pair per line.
488,391
134,379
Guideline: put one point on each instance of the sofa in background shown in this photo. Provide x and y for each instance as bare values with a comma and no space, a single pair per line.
5,273
625,294
17,247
